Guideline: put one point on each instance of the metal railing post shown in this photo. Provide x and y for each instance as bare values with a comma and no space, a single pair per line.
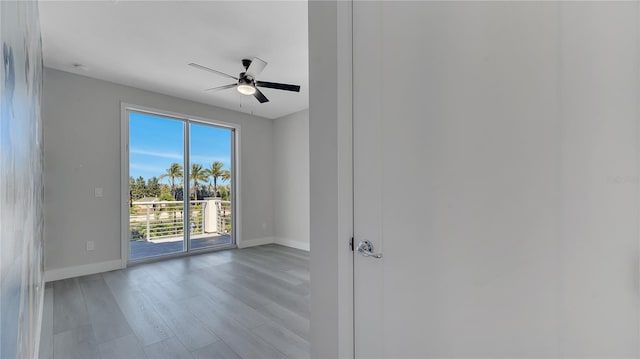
204,204
219,218
148,225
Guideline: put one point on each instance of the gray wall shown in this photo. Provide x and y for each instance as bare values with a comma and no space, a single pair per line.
82,151
20,180
291,180
330,178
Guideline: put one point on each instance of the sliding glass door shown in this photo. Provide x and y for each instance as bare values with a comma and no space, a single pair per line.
210,158
156,172
180,185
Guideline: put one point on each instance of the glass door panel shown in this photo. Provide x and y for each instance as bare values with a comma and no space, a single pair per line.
156,200
210,185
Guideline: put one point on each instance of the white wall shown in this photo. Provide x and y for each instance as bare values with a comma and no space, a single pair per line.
81,119
291,180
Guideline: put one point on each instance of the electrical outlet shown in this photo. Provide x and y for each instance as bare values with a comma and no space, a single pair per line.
98,192
90,245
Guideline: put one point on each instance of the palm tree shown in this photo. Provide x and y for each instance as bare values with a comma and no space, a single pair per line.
197,174
174,171
214,173
226,175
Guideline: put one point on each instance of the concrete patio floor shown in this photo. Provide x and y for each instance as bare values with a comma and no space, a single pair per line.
144,249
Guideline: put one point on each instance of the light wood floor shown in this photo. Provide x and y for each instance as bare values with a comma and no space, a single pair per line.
243,303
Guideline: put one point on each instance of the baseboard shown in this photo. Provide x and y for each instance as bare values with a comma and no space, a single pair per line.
255,242
293,243
78,271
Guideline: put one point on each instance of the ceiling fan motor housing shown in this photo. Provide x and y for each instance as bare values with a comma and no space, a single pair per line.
245,80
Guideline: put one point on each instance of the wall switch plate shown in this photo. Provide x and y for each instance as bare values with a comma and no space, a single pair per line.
98,192
90,245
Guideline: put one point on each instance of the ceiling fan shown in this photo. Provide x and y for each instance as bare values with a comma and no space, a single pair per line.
246,82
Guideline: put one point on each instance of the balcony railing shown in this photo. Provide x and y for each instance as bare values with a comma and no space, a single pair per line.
165,219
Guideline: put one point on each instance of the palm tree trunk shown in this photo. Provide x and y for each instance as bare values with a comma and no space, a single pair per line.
215,187
195,189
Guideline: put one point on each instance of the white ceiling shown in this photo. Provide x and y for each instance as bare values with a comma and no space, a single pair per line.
148,45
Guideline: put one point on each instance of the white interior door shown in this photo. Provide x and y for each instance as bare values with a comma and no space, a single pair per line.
496,169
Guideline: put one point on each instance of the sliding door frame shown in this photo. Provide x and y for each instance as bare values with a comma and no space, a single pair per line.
236,201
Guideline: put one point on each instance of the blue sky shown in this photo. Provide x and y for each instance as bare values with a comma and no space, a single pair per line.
156,142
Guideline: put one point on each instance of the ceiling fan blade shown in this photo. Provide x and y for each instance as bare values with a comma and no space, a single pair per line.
222,87
260,96
211,70
256,67
278,86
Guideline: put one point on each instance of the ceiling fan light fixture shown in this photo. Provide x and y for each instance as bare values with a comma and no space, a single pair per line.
246,89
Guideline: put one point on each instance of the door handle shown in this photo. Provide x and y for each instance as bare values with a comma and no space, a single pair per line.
366,249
